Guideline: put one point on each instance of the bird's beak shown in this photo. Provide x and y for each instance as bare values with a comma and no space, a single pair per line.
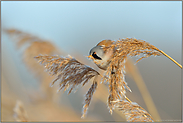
90,56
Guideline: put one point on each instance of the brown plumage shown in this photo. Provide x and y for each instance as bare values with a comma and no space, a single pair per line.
105,43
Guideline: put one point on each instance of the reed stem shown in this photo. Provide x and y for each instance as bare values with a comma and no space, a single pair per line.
170,58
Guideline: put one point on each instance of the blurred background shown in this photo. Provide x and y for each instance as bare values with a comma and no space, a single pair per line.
74,28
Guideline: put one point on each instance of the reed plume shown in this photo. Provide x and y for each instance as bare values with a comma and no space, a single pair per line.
115,73
33,46
133,112
70,73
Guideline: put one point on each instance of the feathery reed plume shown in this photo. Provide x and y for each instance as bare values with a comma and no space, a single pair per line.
70,73
88,97
35,49
21,37
20,114
36,46
133,112
115,73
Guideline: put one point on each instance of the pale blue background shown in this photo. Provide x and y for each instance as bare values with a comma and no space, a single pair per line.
74,24
81,25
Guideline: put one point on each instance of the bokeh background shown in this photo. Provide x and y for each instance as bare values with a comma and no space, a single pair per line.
74,28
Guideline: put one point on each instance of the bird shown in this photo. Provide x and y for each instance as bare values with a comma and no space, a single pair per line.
102,54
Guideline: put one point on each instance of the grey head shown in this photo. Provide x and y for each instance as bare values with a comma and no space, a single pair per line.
97,52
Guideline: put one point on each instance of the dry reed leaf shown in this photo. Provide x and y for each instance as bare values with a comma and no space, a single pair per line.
20,114
70,73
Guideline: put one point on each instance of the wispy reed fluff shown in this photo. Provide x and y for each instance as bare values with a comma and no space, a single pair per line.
123,49
70,73
133,112
33,46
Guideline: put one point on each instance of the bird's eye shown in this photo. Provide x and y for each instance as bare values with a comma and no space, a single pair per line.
95,56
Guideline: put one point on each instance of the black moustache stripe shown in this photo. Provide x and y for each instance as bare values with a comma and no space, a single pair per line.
95,56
